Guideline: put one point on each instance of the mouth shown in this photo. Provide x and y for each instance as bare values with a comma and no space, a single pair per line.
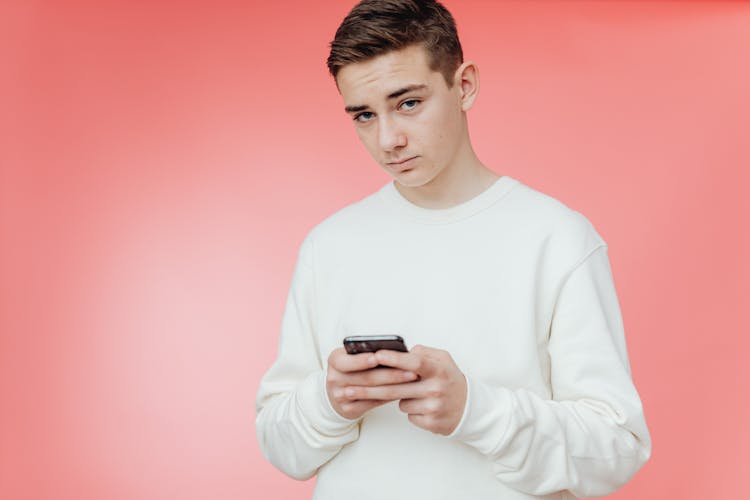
402,165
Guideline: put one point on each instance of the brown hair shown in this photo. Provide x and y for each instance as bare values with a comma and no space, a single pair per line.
375,27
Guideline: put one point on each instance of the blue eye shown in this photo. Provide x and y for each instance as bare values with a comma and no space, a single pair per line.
409,104
364,117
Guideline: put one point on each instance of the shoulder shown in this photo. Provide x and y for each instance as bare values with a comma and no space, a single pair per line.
346,223
558,225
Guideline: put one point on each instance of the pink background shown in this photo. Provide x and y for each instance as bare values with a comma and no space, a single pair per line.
161,162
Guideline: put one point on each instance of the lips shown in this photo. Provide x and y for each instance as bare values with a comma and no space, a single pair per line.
403,164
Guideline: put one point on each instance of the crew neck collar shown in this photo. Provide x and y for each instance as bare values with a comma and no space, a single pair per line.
393,197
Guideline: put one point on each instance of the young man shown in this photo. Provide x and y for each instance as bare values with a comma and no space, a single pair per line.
517,383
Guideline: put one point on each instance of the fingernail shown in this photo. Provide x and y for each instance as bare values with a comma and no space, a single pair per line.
371,359
349,392
409,376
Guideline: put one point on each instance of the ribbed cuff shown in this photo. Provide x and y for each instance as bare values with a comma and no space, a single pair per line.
466,409
487,411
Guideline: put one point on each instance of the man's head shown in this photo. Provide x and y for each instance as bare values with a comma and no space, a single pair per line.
398,66
376,27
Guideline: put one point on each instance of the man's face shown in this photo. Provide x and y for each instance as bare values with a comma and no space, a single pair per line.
406,116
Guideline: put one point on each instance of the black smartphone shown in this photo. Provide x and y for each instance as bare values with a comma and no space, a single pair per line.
371,343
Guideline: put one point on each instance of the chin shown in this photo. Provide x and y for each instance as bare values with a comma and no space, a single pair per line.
407,181
413,178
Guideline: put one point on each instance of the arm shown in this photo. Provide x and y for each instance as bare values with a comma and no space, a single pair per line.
591,438
298,429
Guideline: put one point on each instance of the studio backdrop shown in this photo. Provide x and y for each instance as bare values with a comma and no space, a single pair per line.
161,162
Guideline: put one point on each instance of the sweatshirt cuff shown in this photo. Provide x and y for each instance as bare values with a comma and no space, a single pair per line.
461,423
486,412
314,403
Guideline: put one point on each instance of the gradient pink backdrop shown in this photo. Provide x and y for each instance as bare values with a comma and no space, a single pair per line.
161,162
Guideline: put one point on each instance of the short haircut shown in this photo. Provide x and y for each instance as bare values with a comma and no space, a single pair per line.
376,27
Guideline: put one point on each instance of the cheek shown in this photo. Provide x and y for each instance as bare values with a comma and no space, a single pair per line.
442,122
363,136
369,140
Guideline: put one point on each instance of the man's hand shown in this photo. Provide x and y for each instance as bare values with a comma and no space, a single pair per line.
348,373
434,402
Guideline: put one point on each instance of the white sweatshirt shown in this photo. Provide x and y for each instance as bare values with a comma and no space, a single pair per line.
518,289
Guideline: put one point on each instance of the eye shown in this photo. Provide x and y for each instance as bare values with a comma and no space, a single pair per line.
364,117
409,104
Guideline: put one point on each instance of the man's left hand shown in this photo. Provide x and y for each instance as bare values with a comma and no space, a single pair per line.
435,401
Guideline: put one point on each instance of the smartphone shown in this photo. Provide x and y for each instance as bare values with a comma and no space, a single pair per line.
371,343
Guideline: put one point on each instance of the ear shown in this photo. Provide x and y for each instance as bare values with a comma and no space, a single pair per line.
467,80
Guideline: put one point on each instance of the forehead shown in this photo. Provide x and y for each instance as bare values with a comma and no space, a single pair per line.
363,82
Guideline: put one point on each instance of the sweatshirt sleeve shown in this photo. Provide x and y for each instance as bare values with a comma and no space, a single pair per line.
591,437
298,429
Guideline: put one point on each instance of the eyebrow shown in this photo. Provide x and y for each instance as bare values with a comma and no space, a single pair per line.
392,95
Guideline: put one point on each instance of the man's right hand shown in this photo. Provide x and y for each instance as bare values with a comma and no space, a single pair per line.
346,371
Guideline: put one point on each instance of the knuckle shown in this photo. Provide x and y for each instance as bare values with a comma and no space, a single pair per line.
434,406
435,392
338,396
420,364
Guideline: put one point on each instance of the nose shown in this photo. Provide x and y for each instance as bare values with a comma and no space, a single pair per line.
390,135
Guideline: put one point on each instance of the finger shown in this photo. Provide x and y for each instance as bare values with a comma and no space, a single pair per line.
422,406
342,396
432,423
344,362
420,420
355,409
418,360
411,406
377,376
392,392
